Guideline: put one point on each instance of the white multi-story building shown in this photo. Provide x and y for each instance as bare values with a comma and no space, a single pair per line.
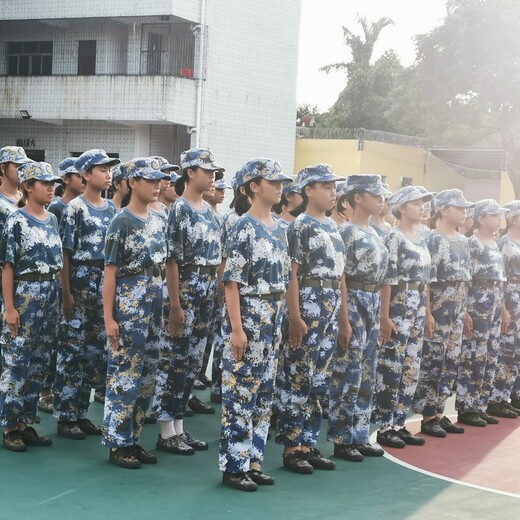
150,77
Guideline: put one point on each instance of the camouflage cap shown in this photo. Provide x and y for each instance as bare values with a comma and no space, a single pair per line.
237,180
92,158
294,187
165,165
321,172
118,173
14,154
144,168
342,188
173,176
264,168
41,171
453,197
488,207
221,185
203,158
66,166
407,194
369,183
513,207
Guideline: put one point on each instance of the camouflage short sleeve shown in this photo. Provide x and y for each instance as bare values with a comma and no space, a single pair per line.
450,258
486,261
228,222
510,250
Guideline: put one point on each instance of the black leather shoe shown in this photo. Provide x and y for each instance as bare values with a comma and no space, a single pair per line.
88,427
143,456
260,478
347,452
13,441
509,406
188,412
318,461
390,438
197,406
500,410
449,427
124,458
215,398
204,380
367,450
410,438
70,430
99,397
174,444
488,418
515,403
194,443
150,419
240,481
471,419
296,462
31,438
433,428
199,385
46,404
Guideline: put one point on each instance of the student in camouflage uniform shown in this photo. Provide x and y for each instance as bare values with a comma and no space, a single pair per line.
291,200
193,237
157,207
316,308
255,278
135,252
31,256
354,368
509,348
119,187
448,291
403,313
479,354
81,349
72,186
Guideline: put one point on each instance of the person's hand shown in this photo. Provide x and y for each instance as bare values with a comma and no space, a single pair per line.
238,344
176,320
68,305
297,330
429,326
468,326
12,319
386,330
112,329
345,333
506,320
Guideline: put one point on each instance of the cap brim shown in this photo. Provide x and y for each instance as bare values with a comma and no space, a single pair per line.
150,174
49,177
170,168
279,177
377,190
107,162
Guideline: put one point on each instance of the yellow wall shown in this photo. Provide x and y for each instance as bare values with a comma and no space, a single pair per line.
507,193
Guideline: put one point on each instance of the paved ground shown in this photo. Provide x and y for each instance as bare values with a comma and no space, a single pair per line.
73,480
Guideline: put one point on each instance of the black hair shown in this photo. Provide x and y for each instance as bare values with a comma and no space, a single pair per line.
397,214
432,223
351,196
236,193
23,200
303,206
278,208
507,228
6,164
339,203
128,195
242,200
180,183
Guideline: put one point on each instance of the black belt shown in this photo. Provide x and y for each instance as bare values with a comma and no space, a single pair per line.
451,283
276,296
36,277
486,283
325,284
361,286
513,280
410,286
152,270
100,264
201,269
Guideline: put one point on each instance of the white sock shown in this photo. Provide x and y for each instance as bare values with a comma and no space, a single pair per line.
179,426
167,429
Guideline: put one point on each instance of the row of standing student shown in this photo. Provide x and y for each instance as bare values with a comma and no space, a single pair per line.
332,324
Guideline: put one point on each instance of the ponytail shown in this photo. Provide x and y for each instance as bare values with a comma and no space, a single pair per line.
303,206
23,200
432,224
126,199
180,183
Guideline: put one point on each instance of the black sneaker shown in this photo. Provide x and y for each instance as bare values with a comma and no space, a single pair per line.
433,428
240,481
449,427
488,418
410,438
88,427
143,456
390,438
500,410
199,385
46,404
31,438
197,406
318,461
124,458
215,398
297,462
99,397
471,419
188,412
515,403
260,478
194,443
367,450
509,406
70,430
174,444
347,452
13,441
150,419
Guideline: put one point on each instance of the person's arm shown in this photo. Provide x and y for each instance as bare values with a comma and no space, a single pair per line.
506,319
387,325
220,285
345,330
429,323
238,336
12,318
109,296
68,299
297,327
176,318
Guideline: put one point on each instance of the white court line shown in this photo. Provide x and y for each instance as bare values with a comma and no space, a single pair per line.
57,496
373,438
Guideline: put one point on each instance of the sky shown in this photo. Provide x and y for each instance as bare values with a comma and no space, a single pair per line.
321,39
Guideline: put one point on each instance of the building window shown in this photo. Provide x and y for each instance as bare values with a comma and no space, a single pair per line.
29,58
87,58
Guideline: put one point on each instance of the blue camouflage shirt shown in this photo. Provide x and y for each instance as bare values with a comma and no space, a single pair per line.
163,215
257,257
133,243
193,235
30,244
408,260
381,231
228,222
366,257
83,228
450,258
510,250
317,247
6,208
486,261
56,207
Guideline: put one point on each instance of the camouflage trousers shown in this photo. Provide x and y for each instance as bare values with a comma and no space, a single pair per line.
479,354
81,347
509,348
307,368
247,385
441,354
26,357
132,366
181,357
399,360
354,372
216,340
